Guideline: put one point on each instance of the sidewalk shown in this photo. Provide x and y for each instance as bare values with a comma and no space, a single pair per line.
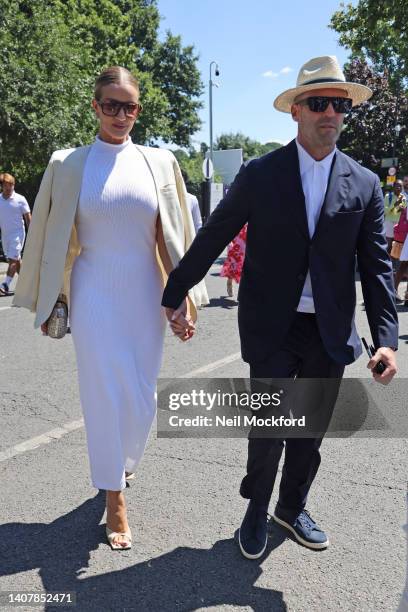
3,268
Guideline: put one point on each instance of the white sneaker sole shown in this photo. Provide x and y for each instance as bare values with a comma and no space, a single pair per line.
246,554
313,546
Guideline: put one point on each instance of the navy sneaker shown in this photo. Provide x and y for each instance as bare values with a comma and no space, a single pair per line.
253,534
305,530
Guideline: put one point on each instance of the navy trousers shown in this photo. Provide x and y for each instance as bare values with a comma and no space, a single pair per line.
302,355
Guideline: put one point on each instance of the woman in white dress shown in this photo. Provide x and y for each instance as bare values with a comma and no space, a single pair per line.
116,284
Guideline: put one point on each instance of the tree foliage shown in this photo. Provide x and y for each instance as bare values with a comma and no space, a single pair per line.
250,148
43,97
174,68
378,31
52,50
369,132
191,164
377,35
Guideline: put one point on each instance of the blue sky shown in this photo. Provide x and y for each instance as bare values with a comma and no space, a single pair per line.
260,46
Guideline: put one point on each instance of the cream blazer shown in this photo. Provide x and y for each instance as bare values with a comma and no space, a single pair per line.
52,244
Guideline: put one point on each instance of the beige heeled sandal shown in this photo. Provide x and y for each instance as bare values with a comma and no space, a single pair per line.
111,535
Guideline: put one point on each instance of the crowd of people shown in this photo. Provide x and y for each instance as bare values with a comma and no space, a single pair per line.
396,228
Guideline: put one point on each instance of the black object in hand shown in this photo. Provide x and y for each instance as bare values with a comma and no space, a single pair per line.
380,367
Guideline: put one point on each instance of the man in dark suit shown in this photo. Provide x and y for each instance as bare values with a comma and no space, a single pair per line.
311,212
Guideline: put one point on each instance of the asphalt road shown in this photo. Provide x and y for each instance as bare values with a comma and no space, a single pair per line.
184,506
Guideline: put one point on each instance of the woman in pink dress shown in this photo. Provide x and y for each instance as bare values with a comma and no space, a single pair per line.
232,267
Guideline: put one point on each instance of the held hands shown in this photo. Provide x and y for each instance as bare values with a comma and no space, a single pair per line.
387,356
180,321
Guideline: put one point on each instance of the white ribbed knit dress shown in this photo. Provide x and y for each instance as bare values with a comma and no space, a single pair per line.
116,318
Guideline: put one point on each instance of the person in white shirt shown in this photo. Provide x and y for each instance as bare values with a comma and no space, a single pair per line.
14,210
197,220
195,211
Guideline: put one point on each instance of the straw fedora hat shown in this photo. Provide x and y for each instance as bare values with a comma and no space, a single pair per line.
321,73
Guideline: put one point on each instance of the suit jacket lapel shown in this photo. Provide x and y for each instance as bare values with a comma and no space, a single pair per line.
170,206
291,188
76,165
337,190
67,186
151,166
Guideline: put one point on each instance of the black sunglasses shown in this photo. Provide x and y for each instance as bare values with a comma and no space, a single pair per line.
318,104
112,108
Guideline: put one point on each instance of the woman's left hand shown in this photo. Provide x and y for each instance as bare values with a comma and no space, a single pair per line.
180,321
183,334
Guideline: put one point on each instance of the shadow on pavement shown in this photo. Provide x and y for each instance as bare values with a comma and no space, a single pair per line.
222,302
219,261
181,580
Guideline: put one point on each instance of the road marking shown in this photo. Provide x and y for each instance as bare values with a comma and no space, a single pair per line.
45,438
212,366
59,432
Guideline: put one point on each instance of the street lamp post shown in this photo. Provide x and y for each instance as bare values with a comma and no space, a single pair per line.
208,163
397,129
211,85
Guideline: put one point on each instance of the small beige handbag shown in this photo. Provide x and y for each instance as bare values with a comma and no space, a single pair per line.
58,321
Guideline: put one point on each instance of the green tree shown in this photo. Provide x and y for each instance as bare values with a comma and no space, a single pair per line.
191,164
250,148
174,71
44,96
378,31
369,132
191,167
52,51
124,32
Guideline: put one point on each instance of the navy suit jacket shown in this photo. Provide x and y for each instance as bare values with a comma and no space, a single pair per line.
267,194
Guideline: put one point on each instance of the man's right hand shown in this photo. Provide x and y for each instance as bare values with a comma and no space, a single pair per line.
387,356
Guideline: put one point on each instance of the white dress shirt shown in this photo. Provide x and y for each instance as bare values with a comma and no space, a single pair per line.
315,177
